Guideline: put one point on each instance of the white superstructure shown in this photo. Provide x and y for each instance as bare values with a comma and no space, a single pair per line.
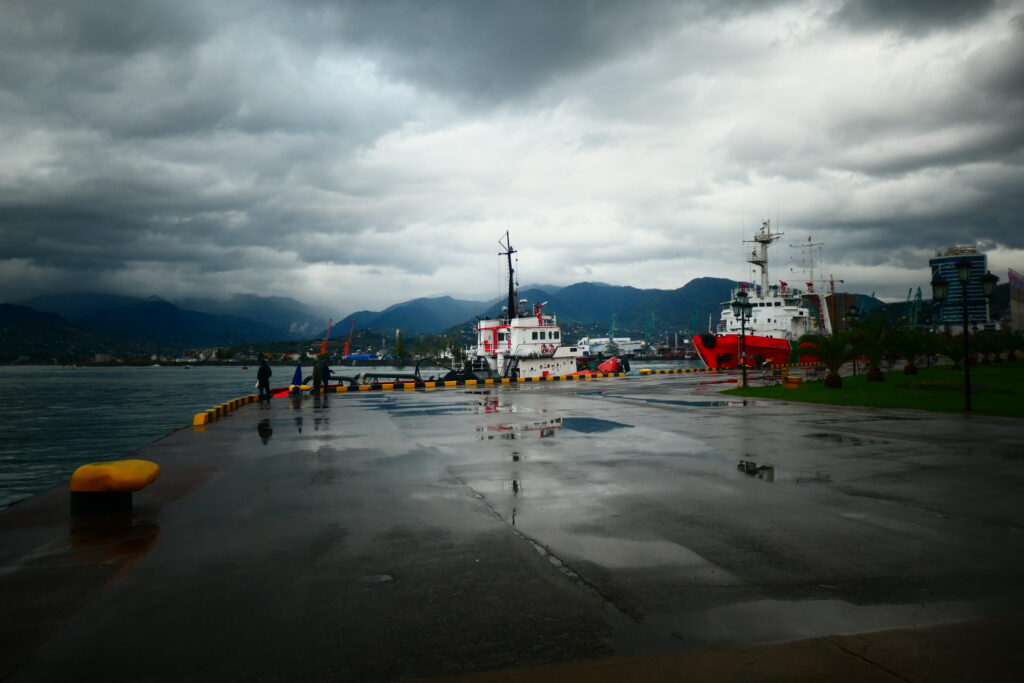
521,342
524,345
779,311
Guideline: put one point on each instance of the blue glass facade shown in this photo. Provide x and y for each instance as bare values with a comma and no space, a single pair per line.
949,312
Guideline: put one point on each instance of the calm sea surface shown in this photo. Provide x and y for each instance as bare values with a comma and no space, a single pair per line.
55,419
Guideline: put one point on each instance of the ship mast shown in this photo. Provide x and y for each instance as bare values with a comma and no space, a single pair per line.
759,256
809,249
507,246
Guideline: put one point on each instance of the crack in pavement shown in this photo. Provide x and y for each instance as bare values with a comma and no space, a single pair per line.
866,659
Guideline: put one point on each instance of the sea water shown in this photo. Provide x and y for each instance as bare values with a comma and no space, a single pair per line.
55,419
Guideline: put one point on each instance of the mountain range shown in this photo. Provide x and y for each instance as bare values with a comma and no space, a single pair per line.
79,324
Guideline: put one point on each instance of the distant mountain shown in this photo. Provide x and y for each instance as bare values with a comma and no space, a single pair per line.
12,315
163,322
75,305
294,319
418,316
39,336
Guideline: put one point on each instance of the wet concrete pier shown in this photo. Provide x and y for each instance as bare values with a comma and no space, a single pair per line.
382,536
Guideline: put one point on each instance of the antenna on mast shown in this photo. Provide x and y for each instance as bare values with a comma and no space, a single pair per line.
507,253
759,256
809,249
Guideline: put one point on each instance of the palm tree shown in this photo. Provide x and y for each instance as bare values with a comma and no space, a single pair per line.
910,344
832,350
951,347
399,352
987,343
871,339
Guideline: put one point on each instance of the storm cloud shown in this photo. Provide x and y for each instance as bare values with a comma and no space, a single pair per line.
356,154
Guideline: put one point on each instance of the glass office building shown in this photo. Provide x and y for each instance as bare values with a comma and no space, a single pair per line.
948,314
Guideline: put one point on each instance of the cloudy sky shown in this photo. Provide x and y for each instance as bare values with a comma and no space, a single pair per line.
358,153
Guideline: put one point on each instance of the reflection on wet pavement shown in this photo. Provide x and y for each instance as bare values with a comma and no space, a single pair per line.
680,402
540,429
116,535
264,430
847,440
778,620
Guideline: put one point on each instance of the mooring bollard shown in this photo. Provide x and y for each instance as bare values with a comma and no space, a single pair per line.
105,488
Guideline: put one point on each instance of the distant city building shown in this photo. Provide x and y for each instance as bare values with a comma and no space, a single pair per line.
839,305
949,314
1016,300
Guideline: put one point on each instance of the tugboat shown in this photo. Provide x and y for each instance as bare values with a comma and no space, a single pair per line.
780,316
520,342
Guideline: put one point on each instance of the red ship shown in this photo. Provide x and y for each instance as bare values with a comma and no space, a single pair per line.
779,316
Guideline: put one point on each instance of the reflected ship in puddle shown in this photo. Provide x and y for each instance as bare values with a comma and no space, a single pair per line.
540,429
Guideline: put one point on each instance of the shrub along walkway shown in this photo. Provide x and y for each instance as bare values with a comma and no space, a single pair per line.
996,389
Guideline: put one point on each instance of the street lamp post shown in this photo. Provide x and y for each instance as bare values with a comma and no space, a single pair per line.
940,289
741,308
963,274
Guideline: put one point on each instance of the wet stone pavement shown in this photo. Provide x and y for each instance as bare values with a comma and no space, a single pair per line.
386,535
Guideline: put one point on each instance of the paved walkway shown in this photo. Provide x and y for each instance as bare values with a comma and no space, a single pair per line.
600,531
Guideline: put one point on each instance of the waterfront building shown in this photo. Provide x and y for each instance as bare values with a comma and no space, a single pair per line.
839,305
1016,300
948,314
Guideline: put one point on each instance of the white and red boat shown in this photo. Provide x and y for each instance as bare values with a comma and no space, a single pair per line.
779,317
522,341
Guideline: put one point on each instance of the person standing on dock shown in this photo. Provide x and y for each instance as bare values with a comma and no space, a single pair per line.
316,376
263,379
325,373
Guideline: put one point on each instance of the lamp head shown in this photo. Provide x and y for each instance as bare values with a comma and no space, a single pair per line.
988,284
963,271
741,306
940,288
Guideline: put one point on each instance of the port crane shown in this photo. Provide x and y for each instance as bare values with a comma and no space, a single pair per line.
327,335
914,307
348,342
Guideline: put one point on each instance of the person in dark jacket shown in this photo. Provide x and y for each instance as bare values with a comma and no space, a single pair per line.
316,377
325,374
263,379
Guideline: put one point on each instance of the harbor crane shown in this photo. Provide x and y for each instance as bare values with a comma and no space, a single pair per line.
914,307
348,342
327,335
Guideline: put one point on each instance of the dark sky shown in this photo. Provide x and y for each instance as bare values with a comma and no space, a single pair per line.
355,154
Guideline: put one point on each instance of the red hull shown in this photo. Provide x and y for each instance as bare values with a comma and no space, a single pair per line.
721,352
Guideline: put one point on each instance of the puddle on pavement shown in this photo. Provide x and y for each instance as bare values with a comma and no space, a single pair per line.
590,425
778,620
622,553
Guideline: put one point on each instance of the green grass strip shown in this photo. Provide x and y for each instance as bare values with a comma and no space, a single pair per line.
997,389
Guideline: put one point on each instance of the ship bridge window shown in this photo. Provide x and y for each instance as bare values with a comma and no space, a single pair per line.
535,334
554,335
778,303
